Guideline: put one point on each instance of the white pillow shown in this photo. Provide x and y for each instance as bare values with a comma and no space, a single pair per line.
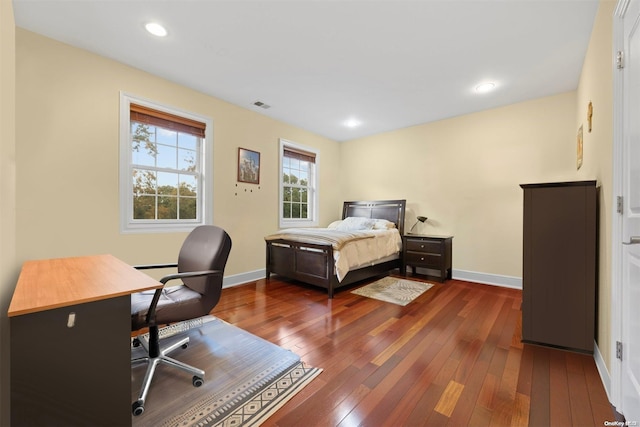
335,224
356,223
383,224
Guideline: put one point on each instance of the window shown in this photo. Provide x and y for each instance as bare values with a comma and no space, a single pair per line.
165,173
298,185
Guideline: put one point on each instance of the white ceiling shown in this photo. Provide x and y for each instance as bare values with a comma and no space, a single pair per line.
389,64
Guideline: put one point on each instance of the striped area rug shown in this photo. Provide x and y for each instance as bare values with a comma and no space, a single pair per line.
247,379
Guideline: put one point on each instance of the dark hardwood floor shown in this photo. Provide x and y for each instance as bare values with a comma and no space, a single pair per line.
451,357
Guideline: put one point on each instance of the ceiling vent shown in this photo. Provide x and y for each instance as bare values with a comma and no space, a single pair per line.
261,105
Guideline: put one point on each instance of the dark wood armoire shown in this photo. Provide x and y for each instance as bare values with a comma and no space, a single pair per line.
559,277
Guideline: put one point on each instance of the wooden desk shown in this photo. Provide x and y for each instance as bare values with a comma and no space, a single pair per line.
70,341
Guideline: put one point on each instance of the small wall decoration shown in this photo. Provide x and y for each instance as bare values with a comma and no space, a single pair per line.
589,116
248,166
580,147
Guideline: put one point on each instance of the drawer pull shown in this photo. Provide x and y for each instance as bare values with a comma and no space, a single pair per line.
422,246
421,258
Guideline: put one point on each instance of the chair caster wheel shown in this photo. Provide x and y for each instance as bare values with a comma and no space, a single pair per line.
137,408
136,342
185,345
197,381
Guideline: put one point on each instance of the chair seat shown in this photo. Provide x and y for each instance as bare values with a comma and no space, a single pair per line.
176,303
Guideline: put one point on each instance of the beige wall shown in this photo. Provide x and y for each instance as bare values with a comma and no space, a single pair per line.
596,86
67,133
464,174
8,267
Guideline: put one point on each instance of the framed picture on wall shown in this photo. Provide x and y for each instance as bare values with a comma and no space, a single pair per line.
248,166
580,148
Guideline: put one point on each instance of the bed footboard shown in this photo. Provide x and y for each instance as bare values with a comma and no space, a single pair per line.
313,264
309,263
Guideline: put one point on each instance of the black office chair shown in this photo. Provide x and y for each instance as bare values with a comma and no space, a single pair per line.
201,264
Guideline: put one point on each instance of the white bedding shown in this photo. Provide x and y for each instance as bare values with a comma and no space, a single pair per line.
385,245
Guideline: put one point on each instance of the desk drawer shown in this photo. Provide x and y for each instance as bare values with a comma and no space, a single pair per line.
418,245
422,259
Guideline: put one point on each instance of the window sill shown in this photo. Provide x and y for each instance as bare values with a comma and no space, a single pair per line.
297,224
158,228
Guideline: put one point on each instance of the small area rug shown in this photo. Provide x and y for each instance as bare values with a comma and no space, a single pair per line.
394,290
247,378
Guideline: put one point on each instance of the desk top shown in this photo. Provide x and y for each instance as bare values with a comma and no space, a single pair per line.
61,282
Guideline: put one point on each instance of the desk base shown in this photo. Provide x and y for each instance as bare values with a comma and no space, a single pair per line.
72,376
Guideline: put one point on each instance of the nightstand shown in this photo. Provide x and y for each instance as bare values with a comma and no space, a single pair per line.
432,253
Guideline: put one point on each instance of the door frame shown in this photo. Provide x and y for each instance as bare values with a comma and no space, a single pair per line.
615,391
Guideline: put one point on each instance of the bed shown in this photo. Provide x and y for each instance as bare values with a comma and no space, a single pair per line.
312,261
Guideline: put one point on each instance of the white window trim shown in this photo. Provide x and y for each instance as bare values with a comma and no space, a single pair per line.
205,214
288,223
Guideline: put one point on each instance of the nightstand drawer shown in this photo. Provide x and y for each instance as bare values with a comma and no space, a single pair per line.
428,252
422,259
419,245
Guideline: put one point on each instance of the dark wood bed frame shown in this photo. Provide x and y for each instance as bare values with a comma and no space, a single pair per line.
313,263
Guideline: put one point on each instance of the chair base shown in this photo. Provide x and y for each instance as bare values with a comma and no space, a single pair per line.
154,361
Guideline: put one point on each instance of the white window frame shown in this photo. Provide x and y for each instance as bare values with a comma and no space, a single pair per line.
205,181
314,188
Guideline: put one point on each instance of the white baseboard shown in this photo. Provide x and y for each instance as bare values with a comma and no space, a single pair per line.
242,278
469,276
488,279
602,370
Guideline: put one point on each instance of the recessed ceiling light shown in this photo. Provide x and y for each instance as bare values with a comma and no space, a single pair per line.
485,87
352,123
156,29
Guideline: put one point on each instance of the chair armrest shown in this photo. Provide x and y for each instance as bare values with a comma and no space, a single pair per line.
185,274
152,266
151,314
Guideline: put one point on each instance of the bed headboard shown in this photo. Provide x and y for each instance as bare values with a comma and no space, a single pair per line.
391,210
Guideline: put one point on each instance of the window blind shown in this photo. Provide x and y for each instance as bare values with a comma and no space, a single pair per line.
149,116
299,154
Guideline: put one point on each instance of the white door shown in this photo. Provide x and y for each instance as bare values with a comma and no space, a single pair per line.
630,365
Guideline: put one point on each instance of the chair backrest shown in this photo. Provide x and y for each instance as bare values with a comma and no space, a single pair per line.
207,247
